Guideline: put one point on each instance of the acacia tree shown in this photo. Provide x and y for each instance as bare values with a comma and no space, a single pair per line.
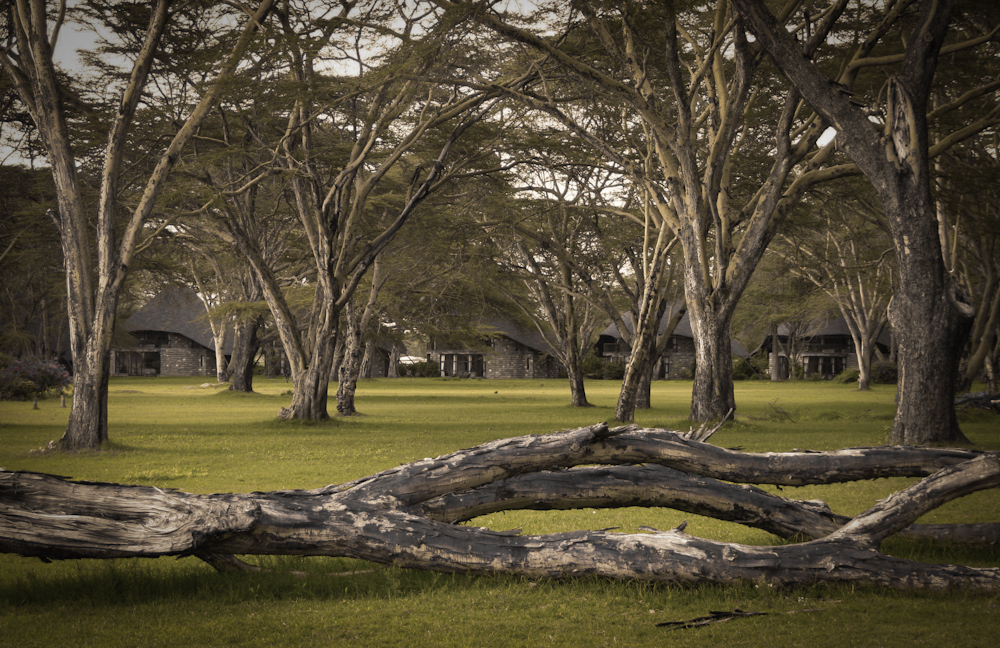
969,222
689,87
929,315
92,297
346,134
843,250
550,241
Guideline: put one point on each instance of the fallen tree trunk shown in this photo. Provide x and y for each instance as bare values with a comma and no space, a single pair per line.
405,515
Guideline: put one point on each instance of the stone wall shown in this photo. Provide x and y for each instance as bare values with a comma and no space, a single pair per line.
510,359
506,359
178,356
678,359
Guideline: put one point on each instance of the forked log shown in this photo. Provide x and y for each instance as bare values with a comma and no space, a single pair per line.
403,516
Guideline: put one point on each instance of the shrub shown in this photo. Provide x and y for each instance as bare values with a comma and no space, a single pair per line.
847,376
749,368
613,371
593,367
23,379
424,369
884,373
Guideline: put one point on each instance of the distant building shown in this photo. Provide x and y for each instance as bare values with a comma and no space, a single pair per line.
827,349
678,358
171,336
507,351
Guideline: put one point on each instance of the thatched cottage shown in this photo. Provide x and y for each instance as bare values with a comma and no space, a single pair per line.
823,348
507,351
171,337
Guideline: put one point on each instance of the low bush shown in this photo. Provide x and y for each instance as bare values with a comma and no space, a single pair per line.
26,378
749,368
613,371
848,376
424,369
884,373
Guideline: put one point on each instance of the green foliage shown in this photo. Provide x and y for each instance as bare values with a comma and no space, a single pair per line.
25,378
593,366
613,371
423,369
848,377
752,368
884,373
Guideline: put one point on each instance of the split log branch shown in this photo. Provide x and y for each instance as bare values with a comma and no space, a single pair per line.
402,516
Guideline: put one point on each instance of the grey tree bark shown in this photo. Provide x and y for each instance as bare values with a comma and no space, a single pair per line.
405,516
928,313
93,288
245,347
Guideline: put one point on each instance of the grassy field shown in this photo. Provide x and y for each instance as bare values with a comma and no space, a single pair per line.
179,433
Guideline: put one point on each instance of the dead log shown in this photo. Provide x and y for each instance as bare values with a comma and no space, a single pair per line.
651,485
401,516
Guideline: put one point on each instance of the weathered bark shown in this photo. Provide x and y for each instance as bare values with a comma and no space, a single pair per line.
88,426
244,354
652,307
657,346
400,516
393,371
775,363
929,318
712,398
991,366
577,390
347,372
92,297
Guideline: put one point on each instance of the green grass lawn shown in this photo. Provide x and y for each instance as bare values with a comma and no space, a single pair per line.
176,433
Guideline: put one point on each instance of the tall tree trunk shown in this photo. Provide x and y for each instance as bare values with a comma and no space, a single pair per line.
863,348
88,417
576,387
775,354
712,397
928,316
643,395
347,374
311,392
643,392
393,370
367,359
931,323
244,353
646,327
635,369
312,383
991,366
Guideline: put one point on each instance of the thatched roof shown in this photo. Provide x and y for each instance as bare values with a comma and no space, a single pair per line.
528,337
836,326
683,329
